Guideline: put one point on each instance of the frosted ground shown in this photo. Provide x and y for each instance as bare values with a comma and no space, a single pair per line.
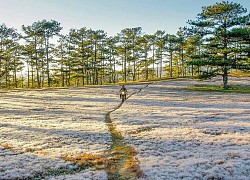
178,134
37,128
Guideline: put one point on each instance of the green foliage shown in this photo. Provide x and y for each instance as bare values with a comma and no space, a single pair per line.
208,74
217,42
57,172
231,88
224,38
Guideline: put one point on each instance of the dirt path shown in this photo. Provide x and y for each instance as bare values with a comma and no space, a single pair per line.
123,164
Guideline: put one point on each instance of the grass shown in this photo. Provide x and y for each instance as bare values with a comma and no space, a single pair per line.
88,161
8,146
54,172
231,88
239,73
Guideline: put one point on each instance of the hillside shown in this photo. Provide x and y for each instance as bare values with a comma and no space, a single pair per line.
171,132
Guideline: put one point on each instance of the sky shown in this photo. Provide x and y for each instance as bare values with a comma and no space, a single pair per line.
109,15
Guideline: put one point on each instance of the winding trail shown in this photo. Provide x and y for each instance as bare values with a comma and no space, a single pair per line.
123,164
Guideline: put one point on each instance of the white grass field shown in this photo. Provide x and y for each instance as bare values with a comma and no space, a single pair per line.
177,134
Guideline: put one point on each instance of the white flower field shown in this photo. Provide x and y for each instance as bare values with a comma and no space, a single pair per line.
176,133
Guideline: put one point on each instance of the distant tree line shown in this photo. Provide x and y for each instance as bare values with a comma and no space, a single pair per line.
217,42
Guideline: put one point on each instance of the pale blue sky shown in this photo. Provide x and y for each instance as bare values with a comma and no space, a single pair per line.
110,15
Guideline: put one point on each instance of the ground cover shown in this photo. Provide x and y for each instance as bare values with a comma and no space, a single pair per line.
182,134
167,131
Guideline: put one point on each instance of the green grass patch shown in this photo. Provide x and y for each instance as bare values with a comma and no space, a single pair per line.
232,88
55,172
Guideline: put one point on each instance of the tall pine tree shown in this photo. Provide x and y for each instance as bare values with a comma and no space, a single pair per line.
218,20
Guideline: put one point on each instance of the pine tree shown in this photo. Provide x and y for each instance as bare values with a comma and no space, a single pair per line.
217,21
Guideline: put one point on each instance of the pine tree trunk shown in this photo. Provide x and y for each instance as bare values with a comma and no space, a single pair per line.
161,66
28,74
171,63
47,59
37,68
83,76
153,73
125,64
32,77
225,78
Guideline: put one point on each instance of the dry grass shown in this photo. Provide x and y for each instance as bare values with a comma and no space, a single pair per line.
240,73
89,160
43,152
8,146
123,164
29,150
